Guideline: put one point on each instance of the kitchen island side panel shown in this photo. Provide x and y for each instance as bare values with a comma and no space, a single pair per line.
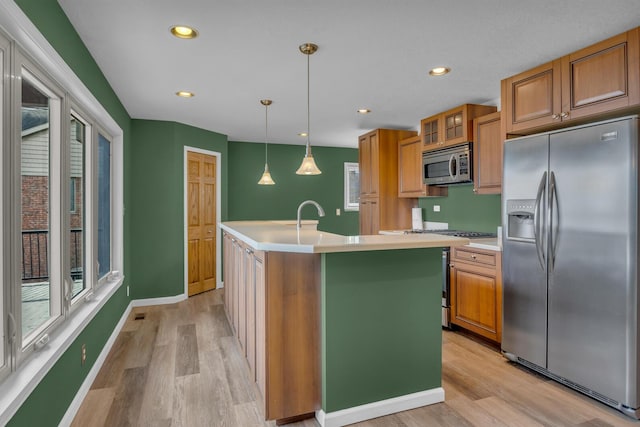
381,325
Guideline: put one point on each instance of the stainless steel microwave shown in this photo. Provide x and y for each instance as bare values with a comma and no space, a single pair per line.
447,166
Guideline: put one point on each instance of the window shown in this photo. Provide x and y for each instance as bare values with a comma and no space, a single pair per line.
39,287
4,163
104,206
77,154
351,186
61,215
52,169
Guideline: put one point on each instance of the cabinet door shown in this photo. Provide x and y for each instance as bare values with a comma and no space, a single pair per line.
369,217
601,78
227,251
256,258
364,160
533,98
244,269
410,168
432,132
476,291
410,171
487,154
455,126
238,273
368,159
260,324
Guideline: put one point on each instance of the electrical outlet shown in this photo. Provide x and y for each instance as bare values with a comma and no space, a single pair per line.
84,354
436,208
338,212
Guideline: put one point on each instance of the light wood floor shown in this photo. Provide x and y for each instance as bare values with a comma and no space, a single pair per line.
181,366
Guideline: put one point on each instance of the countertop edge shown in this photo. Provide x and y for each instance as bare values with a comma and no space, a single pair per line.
348,244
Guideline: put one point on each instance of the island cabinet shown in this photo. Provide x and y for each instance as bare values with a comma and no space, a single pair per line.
487,154
276,323
451,127
476,291
380,206
599,80
410,183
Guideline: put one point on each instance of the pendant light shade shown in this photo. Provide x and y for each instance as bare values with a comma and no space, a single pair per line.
308,166
266,176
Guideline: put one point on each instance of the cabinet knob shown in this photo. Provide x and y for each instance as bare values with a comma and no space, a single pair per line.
564,114
473,256
451,265
555,116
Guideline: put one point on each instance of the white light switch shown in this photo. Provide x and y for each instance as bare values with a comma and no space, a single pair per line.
338,212
436,208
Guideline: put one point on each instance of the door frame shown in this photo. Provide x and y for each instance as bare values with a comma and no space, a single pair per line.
218,157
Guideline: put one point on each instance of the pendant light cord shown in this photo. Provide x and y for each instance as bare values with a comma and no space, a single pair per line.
308,105
266,139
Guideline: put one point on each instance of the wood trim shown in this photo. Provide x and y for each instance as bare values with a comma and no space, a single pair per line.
633,43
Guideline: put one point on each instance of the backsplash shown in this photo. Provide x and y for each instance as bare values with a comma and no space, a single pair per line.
463,209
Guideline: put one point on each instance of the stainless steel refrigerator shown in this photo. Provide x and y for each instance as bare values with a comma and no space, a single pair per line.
570,258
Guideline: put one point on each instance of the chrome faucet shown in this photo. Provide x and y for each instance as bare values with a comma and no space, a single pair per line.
308,202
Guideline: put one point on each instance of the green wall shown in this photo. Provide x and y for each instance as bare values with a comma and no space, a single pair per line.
381,333
49,401
463,209
157,207
250,201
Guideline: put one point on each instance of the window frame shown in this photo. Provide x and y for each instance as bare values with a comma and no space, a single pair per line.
6,359
87,224
23,67
112,271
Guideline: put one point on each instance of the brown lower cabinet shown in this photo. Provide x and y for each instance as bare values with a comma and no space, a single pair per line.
271,300
476,291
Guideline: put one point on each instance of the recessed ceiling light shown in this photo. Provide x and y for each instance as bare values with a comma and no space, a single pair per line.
439,71
364,111
185,94
184,32
302,134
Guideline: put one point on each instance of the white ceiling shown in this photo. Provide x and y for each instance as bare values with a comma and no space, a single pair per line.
372,54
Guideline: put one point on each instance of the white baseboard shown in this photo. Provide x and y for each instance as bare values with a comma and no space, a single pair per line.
72,410
380,408
159,301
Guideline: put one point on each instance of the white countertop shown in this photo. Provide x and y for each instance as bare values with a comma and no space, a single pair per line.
491,244
282,236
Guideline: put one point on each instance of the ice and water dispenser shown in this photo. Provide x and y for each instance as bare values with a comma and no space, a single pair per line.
520,223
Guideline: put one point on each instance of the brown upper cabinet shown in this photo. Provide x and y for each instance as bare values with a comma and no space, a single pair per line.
487,154
451,127
380,206
410,182
593,81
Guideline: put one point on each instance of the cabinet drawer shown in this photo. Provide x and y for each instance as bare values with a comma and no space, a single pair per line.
473,256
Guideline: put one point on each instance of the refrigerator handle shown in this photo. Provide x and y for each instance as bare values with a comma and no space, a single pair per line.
538,227
554,216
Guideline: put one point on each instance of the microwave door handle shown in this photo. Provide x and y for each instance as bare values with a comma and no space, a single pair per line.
451,160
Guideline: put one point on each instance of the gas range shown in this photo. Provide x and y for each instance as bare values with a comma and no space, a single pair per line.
455,233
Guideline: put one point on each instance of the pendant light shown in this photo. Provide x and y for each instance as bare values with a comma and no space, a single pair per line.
266,176
308,166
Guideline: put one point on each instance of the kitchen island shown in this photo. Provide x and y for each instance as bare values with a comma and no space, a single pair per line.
344,327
